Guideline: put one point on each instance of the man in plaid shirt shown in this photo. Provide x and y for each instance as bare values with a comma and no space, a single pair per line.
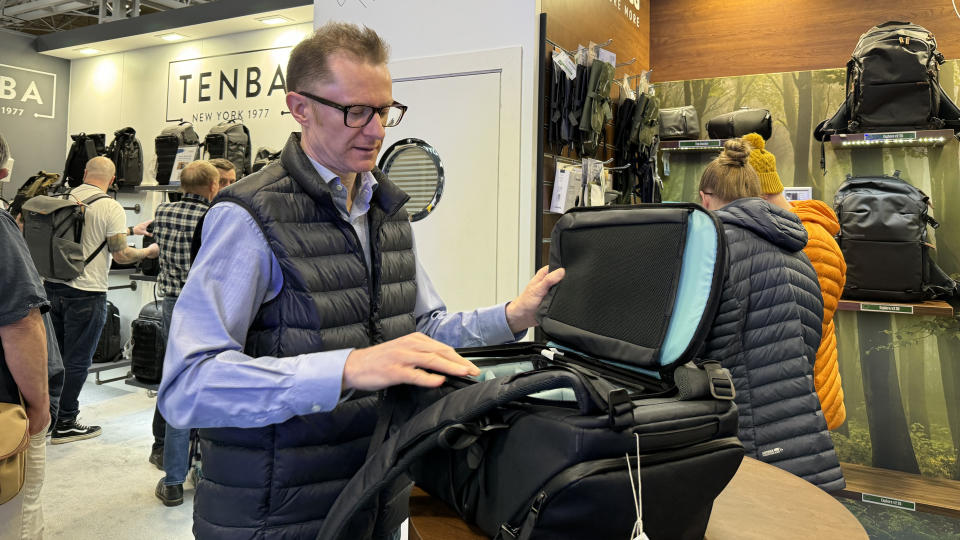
173,226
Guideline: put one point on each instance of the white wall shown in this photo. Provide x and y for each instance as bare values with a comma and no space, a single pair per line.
424,28
130,89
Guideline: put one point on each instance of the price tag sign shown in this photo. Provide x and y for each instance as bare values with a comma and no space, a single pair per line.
897,136
889,501
887,308
710,143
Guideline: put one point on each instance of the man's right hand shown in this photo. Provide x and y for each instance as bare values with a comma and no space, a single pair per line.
402,361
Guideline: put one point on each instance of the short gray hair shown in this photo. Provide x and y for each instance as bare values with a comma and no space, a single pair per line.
308,60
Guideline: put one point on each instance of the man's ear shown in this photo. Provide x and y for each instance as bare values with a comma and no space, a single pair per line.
299,108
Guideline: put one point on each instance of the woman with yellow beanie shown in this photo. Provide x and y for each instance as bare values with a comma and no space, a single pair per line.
821,224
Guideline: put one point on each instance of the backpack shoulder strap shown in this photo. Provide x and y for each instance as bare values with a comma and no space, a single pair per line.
443,421
87,202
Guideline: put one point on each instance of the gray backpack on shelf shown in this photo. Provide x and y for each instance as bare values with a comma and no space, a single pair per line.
230,140
53,229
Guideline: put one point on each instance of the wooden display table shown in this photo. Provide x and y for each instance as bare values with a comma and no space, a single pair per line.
761,502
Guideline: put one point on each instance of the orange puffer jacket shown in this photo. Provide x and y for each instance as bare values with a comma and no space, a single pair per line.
821,224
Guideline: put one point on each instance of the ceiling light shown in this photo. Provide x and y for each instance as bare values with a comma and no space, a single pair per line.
274,20
89,51
173,36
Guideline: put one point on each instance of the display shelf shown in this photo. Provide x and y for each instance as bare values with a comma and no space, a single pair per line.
700,145
154,187
106,366
141,277
930,307
926,137
901,490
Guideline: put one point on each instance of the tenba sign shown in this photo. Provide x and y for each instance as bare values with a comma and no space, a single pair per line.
27,92
243,86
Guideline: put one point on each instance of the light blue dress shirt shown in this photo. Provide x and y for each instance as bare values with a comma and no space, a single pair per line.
208,381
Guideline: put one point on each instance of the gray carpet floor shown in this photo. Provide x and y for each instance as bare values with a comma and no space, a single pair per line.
103,488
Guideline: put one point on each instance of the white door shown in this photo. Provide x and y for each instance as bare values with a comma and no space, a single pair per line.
466,106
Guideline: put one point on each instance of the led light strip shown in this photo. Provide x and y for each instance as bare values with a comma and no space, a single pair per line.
894,142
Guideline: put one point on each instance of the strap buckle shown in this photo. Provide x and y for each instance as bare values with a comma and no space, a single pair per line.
618,405
720,382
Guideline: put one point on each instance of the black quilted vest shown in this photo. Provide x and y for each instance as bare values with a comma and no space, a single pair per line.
278,482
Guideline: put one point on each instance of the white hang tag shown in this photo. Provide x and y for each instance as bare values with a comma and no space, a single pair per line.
581,56
628,92
590,54
642,536
561,181
606,56
563,61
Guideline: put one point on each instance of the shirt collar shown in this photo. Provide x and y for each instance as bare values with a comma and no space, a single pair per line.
195,197
368,184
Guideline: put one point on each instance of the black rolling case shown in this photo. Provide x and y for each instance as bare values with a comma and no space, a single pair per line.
537,448
149,345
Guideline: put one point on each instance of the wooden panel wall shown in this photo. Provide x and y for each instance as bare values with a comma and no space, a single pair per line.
573,22
578,22
697,39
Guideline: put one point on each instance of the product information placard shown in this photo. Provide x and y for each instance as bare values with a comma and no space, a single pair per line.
889,501
185,155
245,86
887,308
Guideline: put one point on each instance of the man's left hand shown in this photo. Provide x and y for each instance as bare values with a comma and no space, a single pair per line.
141,228
521,311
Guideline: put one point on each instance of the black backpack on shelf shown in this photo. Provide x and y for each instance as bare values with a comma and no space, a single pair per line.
109,348
167,143
883,236
149,344
893,84
263,158
127,155
230,140
84,148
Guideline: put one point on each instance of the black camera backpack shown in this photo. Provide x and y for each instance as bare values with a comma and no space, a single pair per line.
109,348
230,140
127,155
168,143
537,448
84,148
883,236
893,84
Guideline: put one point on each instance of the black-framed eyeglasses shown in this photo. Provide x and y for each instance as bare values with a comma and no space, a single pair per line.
358,116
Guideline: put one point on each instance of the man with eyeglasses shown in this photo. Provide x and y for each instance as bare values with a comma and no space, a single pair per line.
306,295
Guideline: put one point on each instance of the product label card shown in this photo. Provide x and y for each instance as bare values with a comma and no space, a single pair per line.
564,62
889,501
887,308
606,56
185,155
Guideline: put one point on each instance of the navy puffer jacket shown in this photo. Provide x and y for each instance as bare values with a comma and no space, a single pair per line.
766,333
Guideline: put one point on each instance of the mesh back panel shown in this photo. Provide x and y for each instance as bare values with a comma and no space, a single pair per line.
620,281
